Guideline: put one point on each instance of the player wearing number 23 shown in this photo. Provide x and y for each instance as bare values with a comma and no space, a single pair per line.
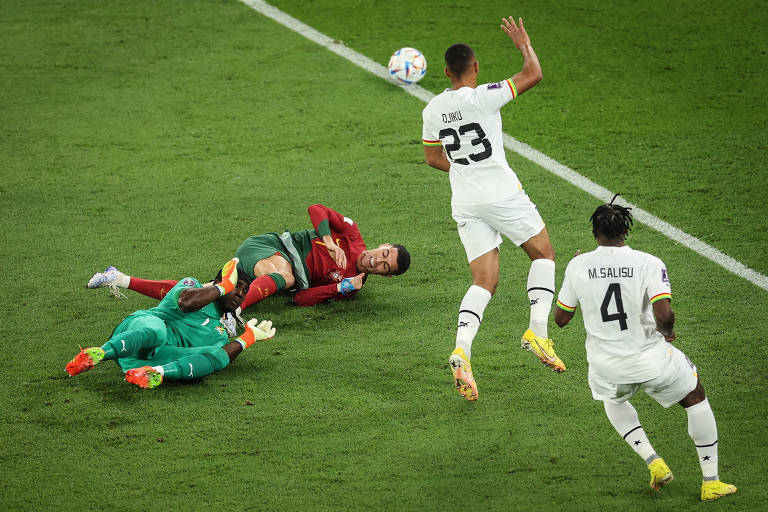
462,135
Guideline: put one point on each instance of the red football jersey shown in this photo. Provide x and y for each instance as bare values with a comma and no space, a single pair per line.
324,274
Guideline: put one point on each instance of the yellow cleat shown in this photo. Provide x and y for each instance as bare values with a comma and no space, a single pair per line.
544,350
462,374
661,475
715,489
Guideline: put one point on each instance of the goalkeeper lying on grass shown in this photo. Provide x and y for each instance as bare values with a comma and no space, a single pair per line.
181,338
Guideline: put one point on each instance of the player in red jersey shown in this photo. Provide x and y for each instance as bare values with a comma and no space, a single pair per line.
329,262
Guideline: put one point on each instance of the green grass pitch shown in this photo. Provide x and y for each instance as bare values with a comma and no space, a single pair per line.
155,136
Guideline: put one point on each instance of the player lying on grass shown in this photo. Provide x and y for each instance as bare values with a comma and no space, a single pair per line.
329,262
462,135
181,338
625,303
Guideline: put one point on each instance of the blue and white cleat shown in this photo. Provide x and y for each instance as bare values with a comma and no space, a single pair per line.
230,324
109,279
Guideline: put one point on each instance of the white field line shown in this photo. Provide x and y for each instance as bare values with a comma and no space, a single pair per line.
520,148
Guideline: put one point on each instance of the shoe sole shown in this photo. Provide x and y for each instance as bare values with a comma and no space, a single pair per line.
465,385
142,381
661,482
72,371
83,366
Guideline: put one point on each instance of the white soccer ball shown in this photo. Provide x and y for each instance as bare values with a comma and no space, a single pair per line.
407,66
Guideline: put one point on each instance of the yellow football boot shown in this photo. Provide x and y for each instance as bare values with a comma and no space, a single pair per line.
544,350
715,489
661,475
462,374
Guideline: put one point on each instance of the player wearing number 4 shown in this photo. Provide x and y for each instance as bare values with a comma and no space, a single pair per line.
462,136
625,303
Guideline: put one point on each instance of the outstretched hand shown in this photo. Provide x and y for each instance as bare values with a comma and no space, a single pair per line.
262,331
517,33
253,332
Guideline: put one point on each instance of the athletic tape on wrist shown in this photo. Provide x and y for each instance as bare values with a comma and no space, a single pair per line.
346,286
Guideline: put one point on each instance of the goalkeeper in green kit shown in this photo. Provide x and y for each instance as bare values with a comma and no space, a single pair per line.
181,338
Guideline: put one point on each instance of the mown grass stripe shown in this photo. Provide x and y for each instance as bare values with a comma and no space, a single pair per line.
522,149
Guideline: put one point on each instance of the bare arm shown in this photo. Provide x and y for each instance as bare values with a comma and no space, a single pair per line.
192,299
562,317
665,319
436,158
531,74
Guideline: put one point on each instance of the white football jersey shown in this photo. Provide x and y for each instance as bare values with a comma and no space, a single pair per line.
467,123
615,287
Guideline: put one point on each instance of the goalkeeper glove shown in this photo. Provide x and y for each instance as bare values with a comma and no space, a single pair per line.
253,332
228,277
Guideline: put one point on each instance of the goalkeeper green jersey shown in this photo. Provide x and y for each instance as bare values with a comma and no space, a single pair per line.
201,328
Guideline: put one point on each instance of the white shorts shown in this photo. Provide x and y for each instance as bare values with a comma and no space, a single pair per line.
481,226
677,379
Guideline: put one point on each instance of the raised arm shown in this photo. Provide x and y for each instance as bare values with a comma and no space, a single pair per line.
192,299
531,74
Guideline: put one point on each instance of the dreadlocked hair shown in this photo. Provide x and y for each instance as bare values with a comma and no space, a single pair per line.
611,220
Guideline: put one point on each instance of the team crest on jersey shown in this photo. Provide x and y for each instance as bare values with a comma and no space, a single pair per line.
221,330
188,282
497,85
335,275
664,275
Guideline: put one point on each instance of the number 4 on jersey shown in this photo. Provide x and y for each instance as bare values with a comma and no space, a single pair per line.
614,292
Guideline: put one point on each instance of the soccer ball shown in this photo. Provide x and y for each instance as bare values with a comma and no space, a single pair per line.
407,66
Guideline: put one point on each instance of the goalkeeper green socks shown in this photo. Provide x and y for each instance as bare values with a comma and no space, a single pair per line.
191,367
129,343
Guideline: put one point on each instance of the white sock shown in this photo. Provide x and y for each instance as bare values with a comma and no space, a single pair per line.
541,291
703,430
625,420
159,369
123,280
470,316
